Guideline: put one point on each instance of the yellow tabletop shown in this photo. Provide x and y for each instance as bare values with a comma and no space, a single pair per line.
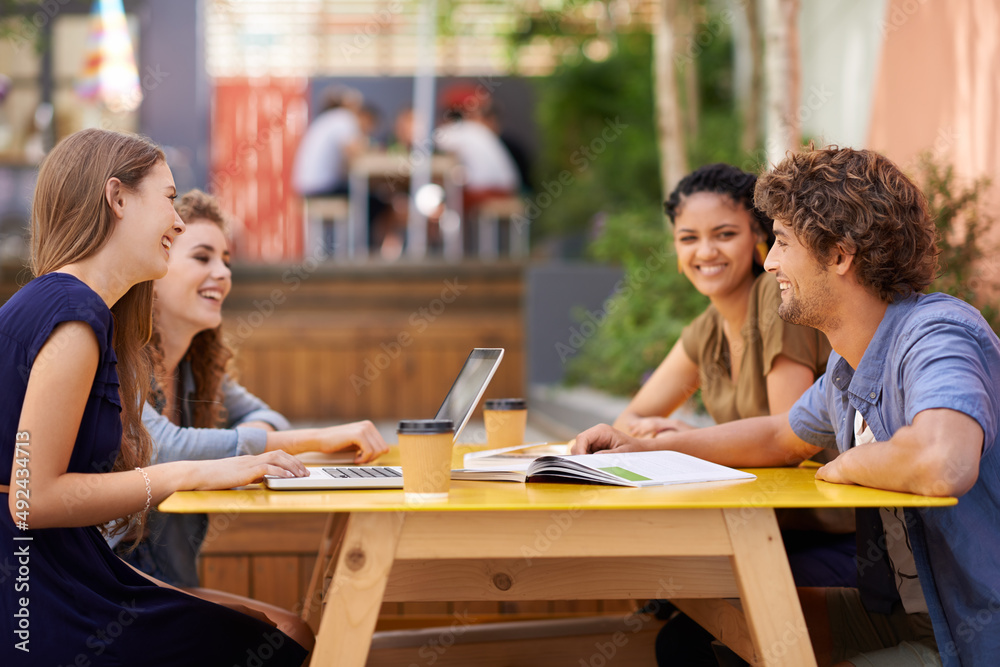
774,487
722,542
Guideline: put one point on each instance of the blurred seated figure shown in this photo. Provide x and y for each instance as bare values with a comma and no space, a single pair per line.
332,139
401,140
389,231
518,152
490,171
335,137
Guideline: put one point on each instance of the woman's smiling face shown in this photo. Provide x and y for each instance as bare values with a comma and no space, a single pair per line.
198,279
149,228
715,239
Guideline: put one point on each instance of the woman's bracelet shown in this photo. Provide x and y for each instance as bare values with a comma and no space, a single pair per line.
149,490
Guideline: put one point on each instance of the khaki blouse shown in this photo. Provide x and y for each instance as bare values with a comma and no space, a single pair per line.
765,336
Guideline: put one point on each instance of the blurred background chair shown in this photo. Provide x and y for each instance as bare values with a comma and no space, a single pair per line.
321,239
491,214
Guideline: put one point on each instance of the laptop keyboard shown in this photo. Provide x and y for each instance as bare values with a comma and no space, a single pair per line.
361,472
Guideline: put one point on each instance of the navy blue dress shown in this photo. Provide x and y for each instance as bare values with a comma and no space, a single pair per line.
65,598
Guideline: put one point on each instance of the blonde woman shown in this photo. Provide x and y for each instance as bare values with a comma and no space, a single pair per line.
71,435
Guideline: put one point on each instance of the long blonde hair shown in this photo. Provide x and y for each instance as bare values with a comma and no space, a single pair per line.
70,221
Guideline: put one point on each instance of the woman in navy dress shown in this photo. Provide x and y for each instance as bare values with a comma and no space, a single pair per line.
72,443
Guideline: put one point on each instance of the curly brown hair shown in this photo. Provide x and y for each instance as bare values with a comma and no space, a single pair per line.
209,355
197,205
858,202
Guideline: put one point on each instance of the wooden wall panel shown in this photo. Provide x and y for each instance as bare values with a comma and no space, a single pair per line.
227,573
276,580
349,344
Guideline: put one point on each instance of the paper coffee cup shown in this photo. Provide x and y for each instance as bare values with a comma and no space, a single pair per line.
425,448
506,419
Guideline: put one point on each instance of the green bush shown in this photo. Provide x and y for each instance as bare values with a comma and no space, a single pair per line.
645,317
597,125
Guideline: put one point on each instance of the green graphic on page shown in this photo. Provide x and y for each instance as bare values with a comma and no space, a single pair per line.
625,474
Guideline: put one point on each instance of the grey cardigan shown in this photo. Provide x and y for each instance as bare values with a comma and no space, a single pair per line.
170,552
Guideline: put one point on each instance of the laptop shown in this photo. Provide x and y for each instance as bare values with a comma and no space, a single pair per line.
458,406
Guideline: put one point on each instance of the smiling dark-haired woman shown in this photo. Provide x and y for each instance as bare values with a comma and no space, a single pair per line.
747,362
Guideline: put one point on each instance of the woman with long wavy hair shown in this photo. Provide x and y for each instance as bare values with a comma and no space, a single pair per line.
196,410
72,443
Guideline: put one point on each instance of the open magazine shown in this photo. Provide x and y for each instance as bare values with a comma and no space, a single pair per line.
627,469
518,457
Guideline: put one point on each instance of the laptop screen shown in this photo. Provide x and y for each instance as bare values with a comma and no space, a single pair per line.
469,386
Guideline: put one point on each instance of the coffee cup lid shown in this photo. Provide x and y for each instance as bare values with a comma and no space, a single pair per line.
428,426
505,404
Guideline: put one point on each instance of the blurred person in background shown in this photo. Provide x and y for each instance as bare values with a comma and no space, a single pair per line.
339,134
332,139
490,171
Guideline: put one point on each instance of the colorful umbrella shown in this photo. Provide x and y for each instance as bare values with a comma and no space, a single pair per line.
109,72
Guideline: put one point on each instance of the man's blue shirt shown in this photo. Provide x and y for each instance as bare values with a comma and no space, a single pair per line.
930,351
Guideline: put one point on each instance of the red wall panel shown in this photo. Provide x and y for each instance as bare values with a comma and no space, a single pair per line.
256,128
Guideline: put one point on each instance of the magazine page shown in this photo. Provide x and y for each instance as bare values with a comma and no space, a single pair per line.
633,469
473,475
518,457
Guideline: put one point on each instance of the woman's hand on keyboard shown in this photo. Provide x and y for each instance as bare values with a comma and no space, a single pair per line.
362,435
238,470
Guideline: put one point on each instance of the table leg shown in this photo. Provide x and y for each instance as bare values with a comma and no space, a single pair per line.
773,613
311,229
357,226
724,619
489,229
453,194
333,535
354,597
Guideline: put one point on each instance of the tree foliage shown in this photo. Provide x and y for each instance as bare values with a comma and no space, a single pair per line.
596,123
617,201
644,318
